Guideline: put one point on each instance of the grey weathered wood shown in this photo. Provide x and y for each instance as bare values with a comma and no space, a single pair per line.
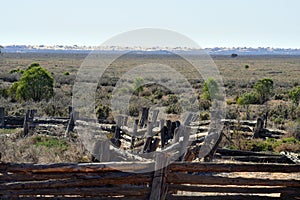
85,191
154,117
154,145
144,117
258,128
186,135
2,117
183,178
25,125
118,127
101,180
162,133
135,127
159,187
148,138
28,121
27,168
228,189
101,151
72,120
125,120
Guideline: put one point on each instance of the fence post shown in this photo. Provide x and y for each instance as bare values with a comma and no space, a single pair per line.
148,140
101,151
162,133
28,121
25,124
144,118
71,123
2,117
135,126
159,184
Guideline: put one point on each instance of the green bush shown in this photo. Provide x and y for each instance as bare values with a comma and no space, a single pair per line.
173,109
210,89
248,98
294,95
271,144
35,84
264,88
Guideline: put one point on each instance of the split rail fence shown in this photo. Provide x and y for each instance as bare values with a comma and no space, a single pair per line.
110,181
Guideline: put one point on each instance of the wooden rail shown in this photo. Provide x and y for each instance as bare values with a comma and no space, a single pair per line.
111,181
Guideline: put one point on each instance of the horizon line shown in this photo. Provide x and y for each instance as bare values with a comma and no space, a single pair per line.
206,47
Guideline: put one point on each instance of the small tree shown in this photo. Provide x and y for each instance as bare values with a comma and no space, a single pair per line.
36,83
246,100
138,85
264,88
294,95
210,89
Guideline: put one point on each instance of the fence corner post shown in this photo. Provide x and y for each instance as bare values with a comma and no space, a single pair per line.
159,184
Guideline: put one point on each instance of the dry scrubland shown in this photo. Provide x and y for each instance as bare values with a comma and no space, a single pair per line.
239,76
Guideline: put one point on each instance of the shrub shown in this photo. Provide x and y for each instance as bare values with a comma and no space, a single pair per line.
210,89
294,95
3,93
133,111
263,88
138,85
66,73
173,109
248,98
204,104
246,66
36,83
16,71
102,112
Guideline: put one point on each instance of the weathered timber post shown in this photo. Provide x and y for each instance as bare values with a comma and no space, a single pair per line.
135,127
148,140
125,120
169,131
159,184
71,123
116,139
2,117
162,133
154,117
25,124
101,151
118,128
210,155
144,117
266,121
28,121
258,128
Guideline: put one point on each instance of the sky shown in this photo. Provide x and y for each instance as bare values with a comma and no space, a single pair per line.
211,23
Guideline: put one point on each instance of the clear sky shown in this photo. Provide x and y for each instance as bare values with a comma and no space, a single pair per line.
211,23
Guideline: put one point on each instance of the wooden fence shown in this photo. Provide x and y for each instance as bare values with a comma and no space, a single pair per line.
176,181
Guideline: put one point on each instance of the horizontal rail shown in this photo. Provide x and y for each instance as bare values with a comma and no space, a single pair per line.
132,166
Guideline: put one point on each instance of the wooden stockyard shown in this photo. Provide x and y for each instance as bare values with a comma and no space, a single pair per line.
250,175
109,181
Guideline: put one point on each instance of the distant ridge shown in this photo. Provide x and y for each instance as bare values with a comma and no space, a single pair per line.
153,50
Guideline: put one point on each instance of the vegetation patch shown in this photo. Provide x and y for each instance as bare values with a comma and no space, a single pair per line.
50,142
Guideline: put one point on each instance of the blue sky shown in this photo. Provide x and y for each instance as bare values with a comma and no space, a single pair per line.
223,23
